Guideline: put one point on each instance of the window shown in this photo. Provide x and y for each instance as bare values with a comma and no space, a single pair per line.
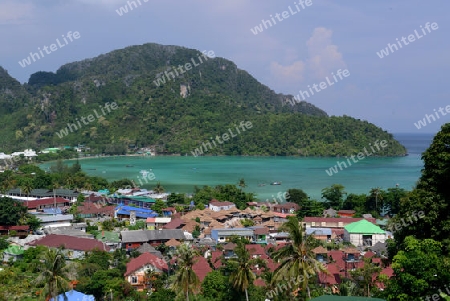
324,224
367,240
340,224
134,280
313,224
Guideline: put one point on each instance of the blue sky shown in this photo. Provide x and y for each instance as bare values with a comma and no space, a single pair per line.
393,92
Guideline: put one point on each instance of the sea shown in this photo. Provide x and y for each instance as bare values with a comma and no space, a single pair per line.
182,173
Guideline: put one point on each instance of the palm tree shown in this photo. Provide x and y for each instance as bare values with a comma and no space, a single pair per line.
364,276
8,181
185,278
158,188
297,261
27,187
241,183
54,273
243,275
376,193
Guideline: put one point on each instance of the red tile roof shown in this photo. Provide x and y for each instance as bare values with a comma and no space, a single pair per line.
219,203
144,259
215,259
91,208
70,242
175,223
16,228
201,267
309,219
255,249
261,231
45,201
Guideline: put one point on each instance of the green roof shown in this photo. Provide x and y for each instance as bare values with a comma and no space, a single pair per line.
344,298
108,237
363,227
14,250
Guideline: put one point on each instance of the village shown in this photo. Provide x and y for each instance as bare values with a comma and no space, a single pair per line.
129,220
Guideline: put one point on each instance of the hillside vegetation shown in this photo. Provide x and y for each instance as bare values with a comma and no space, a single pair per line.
175,117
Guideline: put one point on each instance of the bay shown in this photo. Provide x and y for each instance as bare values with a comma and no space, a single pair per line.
181,174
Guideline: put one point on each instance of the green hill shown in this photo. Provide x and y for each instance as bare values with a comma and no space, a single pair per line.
176,116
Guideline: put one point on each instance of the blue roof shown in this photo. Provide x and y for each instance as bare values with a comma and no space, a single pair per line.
140,212
318,231
74,296
131,208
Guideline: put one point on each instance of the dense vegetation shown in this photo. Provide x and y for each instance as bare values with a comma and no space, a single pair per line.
219,96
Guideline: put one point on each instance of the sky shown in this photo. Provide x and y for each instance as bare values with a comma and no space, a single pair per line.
305,44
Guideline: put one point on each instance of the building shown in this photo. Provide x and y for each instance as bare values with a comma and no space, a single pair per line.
138,269
20,231
73,247
331,222
123,211
134,239
346,213
319,233
41,205
58,220
216,205
157,223
364,233
223,235
288,208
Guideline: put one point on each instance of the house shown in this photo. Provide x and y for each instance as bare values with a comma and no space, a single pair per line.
91,209
331,222
319,233
216,205
346,213
74,247
157,223
169,211
288,208
134,239
58,220
123,211
176,223
13,252
364,233
260,235
201,267
329,213
74,295
21,231
40,205
224,234
139,267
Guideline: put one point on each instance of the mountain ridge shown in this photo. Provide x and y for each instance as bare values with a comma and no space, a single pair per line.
178,115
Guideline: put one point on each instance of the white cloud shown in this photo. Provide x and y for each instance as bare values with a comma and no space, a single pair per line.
290,73
324,57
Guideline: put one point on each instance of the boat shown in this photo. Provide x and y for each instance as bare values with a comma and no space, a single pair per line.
130,166
275,183
261,184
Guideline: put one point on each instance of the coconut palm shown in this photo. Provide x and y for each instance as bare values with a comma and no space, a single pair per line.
54,273
8,181
185,280
242,276
242,183
158,188
297,261
26,187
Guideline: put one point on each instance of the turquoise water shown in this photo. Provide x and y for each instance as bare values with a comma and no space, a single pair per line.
181,174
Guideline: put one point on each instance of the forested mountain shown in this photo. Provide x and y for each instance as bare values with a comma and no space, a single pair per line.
177,116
